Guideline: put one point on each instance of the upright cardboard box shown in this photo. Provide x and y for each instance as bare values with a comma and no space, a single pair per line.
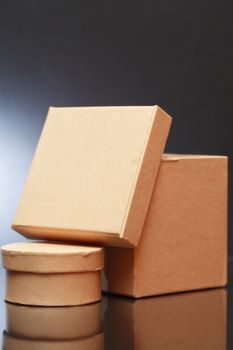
187,321
93,174
184,241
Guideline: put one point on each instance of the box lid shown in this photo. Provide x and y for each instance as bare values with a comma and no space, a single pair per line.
93,173
51,258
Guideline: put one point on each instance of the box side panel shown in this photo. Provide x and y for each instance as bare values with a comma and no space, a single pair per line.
184,242
148,171
70,235
118,272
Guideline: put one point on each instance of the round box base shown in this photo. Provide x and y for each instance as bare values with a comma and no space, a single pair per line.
55,289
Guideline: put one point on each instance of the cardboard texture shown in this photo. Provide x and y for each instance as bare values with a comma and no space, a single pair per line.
184,241
65,323
93,174
13,343
48,274
187,321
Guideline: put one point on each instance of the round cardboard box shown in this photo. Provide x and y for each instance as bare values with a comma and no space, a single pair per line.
48,274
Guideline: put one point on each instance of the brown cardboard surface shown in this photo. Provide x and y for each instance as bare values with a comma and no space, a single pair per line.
58,289
65,323
187,321
13,343
93,174
184,240
48,274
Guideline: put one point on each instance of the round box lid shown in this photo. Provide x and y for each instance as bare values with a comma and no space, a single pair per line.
43,257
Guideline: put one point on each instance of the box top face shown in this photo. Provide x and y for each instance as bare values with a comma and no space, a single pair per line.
45,257
86,168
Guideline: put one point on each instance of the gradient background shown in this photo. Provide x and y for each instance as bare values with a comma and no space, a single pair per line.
178,54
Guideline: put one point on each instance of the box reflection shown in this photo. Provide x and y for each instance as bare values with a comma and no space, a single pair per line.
30,327
187,321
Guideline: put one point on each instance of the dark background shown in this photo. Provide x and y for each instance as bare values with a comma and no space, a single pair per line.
178,54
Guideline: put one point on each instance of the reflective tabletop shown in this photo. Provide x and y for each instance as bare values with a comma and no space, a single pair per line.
193,320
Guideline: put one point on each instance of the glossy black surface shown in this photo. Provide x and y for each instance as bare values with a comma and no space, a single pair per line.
195,320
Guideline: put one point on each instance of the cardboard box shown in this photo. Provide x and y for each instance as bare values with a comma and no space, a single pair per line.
187,321
184,241
93,174
46,274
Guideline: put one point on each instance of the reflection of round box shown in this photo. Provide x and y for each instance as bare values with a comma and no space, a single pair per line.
53,323
96,342
48,274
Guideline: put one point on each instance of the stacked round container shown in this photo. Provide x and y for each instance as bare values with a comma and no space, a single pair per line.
47,274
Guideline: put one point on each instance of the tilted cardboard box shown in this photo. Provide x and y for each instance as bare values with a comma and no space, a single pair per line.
93,174
187,321
184,240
